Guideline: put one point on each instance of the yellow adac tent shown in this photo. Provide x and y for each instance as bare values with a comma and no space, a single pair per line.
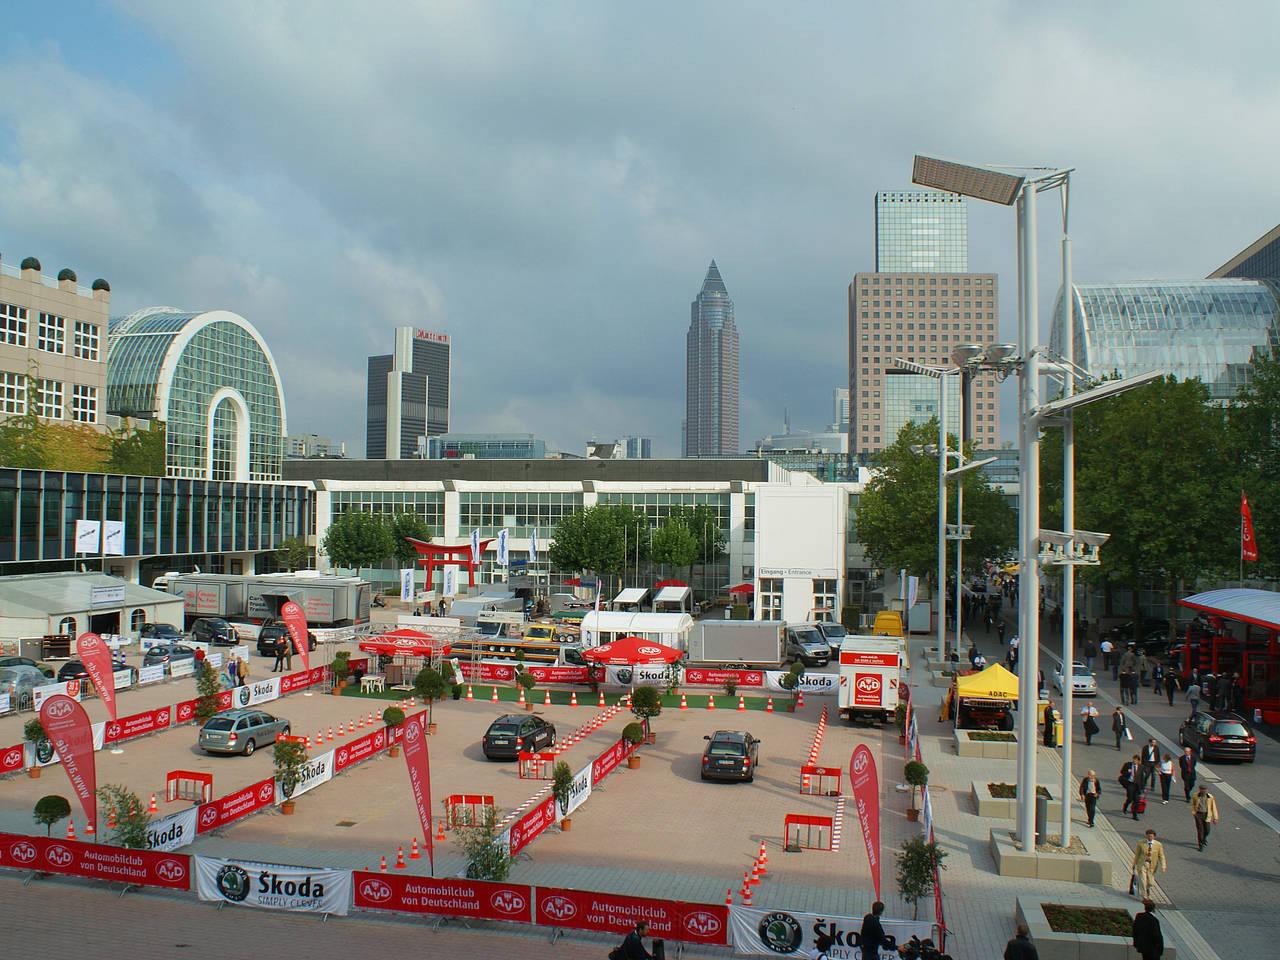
993,683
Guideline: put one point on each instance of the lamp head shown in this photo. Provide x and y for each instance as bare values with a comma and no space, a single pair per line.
966,353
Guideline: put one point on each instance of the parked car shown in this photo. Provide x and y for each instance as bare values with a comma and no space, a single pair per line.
730,755
165,653
74,670
1083,682
512,734
18,681
214,631
806,643
241,731
835,634
1218,735
26,662
161,631
274,630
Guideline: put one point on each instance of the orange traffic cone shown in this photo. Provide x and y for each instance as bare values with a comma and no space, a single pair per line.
494,698
331,733
342,729
359,722
799,698
763,859
111,820
413,853
370,718
521,700
728,897
768,707
742,704
547,701
684,704
383,868
573,699
746,889
71,829
400,864
88,830
306,743
153,808
469,696
755,874
319,737
440,831
711,702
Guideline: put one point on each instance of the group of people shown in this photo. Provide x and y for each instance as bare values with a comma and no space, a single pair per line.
1218,691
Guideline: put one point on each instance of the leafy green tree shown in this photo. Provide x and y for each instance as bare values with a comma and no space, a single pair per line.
481,843
708,537
22,436
207,689
673,544
431,686
601,538
137,452
897,517
1253,423
1153,468
294,554
49,810
357,539
407,525
918,866
132,818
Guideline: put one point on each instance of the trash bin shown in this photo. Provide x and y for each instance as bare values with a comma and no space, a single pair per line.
1060,731
659,950
1042,816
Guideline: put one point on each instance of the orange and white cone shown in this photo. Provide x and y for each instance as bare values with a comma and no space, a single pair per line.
601,703
111,819
319,737
799,698
521,700
153,808
469,696
684,704
547,700
762,858
711,702
383,868
359,722
413,851
742,704
306,743
728,897
573,698
746,889
494,698
88,830
342,729
768,707
71,829
330,737
440,831
400,864
370,718
755,874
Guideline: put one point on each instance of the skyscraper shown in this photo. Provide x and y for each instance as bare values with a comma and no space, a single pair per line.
921,231
711,380
408,394
1258,261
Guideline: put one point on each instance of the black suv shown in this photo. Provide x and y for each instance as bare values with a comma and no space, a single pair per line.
513,734
274,630
1218,735
161,631
730,755
214,631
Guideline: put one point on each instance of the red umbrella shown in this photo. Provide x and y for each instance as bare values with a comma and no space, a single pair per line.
401,643
669,583
626,651
743,588
574,582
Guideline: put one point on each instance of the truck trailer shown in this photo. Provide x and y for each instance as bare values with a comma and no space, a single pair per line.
869,673
326,601
737,643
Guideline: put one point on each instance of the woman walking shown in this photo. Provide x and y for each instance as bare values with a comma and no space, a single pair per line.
1166,778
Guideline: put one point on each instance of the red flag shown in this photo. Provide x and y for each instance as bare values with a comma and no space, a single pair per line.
96,657
1248,546
67,727
866,797
296,621
419,764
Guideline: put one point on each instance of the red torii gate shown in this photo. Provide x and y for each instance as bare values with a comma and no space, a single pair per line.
432,555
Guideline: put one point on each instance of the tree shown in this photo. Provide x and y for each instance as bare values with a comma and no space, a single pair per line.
602,538
207,689
294,554
708,538
404,525
646,702
357,539
1253,423
897,517
132,818
49,810
918,866
486,854
673,544
430,686
288,759
22,436
137,452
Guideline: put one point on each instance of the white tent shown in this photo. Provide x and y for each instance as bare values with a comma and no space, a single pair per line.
607,625
676,595
630,596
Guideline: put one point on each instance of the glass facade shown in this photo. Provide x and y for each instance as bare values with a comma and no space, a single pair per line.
200,368
517,512
914,398
1259,260
162,516
921,232
427,504
485,447
711,372
1208,329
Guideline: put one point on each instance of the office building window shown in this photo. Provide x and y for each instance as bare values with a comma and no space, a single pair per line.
13,325
53,334
84,403
86,345
51,399
771,598
13,393
824,600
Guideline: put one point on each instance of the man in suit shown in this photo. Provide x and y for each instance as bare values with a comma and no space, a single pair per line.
871,937
1148,856
1150,760
1187,766
1147,938
1090,791
1205,809
1129,780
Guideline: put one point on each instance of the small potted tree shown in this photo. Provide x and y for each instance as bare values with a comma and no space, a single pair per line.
900,721
526,682
646,703
790,681
341,669
208,690
633,733
290,757
730,687
916,774
393,717
562,789
49,810
918,864
33,733
430,685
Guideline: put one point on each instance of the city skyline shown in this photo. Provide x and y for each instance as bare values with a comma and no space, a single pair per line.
546,203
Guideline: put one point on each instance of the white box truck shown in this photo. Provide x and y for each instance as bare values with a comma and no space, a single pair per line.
869,673
734,643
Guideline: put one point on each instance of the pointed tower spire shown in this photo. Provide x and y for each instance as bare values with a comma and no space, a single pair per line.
713,281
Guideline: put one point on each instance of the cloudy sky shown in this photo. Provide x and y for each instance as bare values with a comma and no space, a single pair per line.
547,182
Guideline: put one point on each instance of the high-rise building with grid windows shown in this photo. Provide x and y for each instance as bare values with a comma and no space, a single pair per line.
407,394
711,374
921,231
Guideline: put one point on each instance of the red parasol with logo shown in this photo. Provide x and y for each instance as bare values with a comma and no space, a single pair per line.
743,588
628,651
403,643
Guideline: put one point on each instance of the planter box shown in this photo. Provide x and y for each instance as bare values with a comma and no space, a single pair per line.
1005,809
1051,945
990,749
1011,861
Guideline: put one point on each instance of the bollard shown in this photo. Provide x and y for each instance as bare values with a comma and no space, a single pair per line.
1042,816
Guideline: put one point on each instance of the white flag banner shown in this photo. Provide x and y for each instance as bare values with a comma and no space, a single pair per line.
913,588
502,548
88,536
113,538
475,546
276,886
406,585
926,816
450,586
533,545
174,831
579,791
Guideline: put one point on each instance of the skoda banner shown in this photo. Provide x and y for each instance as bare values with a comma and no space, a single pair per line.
579,791
640,675
787,933
810,683
275,886
314,772
174,831
260,691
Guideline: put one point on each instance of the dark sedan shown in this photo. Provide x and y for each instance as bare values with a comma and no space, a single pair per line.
730,755
1218,735
161,631
274,630
75,670
513,734
214,631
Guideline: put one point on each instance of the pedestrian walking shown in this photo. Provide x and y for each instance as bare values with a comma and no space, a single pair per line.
1194,692
632,945
1021,947
1106,646
279,652
1166,778
1050,725
1150,760
1147,938
1125,676
1148,857
1130,781
1118,725
1000,629
242,672
1205,810
1170,685
288,652
1090,714
1144,666
1187,767
1090,792
871,936
1157,678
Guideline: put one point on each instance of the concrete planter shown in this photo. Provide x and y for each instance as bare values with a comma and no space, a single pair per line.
1005,808
1012,861
990,749
1051,945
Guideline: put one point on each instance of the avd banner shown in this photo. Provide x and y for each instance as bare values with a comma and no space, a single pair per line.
296,621
233,806
418,761
477,899
98,861
866,799
96,657
68,729
275,886
789,933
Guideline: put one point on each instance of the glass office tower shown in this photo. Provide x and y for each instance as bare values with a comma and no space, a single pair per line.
711,377
921,231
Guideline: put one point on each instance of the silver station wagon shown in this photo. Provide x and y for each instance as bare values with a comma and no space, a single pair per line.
241,731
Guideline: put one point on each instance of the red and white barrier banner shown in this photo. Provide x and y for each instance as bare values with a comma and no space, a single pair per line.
185,712
865,785
604,764
96,657
478,899
863,659
418,761
358,750
315,771
233,806
275,886
788,933
137,725
521,833
11,758
174,831
716,678
100,862
488,672
299,681
68,728
68,688
559,674
816,684
296,621
605,912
